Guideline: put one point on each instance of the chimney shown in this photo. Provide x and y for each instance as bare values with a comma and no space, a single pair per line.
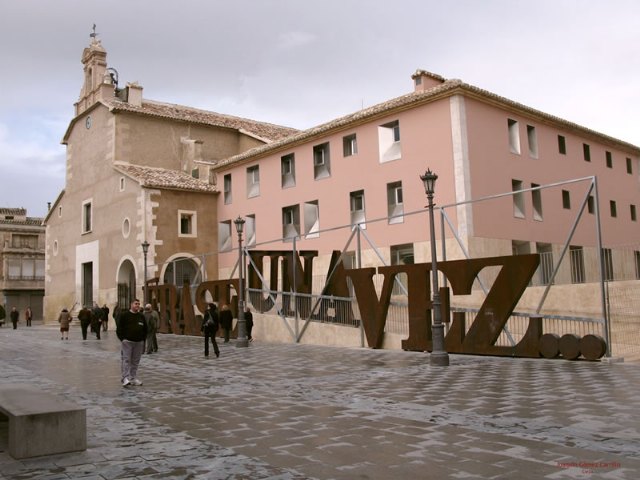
423,80
134,94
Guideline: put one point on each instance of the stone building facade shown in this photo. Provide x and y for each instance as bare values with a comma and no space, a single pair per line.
22,244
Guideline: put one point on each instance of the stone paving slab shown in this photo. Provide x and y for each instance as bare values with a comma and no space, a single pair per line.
305,412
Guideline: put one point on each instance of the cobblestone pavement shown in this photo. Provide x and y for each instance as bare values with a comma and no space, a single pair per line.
305,412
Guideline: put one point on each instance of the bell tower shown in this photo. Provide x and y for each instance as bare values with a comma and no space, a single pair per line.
98,83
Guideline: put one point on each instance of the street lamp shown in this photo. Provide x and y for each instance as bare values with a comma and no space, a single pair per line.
438,356
145,250
242,340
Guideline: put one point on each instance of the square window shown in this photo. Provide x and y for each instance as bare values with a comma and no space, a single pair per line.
349,145
562,145
187,223
609,159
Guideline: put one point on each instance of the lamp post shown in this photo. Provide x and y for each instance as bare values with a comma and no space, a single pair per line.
242,340
145,250
438,356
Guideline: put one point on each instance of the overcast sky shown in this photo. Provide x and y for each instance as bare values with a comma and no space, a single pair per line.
303,62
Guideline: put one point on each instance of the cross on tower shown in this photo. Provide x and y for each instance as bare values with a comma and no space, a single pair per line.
94,35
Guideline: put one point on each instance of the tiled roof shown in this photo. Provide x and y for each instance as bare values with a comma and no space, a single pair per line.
265,131
29,221
13,211
411,100
151,177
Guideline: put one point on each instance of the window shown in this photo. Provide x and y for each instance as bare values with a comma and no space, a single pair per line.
291,222
562,145
519,247
311,219
24,241
591,205
609,159
59,212
250,230
25,269
321,161
288,170
122,184
532,138
224,236
401,255
187,223
629,166
86,216
566,199
586,151
126,228
228,198
536,199
349,145
636,255
389,141
632,211
545,270
607,260
356,202
514,136
613,208
253,181
518,199
576,257
195,172
395,204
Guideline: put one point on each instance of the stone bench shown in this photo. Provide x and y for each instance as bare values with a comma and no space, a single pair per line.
41,423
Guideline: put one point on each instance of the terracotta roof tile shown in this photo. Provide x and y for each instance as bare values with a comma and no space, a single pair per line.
151,177
265,131
448,88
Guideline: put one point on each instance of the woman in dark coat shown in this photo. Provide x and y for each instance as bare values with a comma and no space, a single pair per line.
210,325
226,321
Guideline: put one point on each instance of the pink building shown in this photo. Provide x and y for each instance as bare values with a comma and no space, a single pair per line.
366,166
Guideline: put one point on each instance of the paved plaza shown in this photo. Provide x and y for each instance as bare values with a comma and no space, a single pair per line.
290,411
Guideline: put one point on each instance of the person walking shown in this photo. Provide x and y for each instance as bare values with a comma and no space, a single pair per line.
153,323
85,317
226,321
28,316
105,318
131,331
15,317
96,321
248,318
64,319
210,325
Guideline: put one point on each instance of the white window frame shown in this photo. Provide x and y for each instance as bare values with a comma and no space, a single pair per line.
321,161
224,236
253,181
389,144
193,217
395,203
357,208
311,219
288,170
350,145
227,186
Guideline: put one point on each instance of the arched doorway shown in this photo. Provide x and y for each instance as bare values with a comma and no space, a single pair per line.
126,284
180,270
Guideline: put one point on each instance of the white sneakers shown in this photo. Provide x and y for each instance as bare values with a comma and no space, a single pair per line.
135,382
